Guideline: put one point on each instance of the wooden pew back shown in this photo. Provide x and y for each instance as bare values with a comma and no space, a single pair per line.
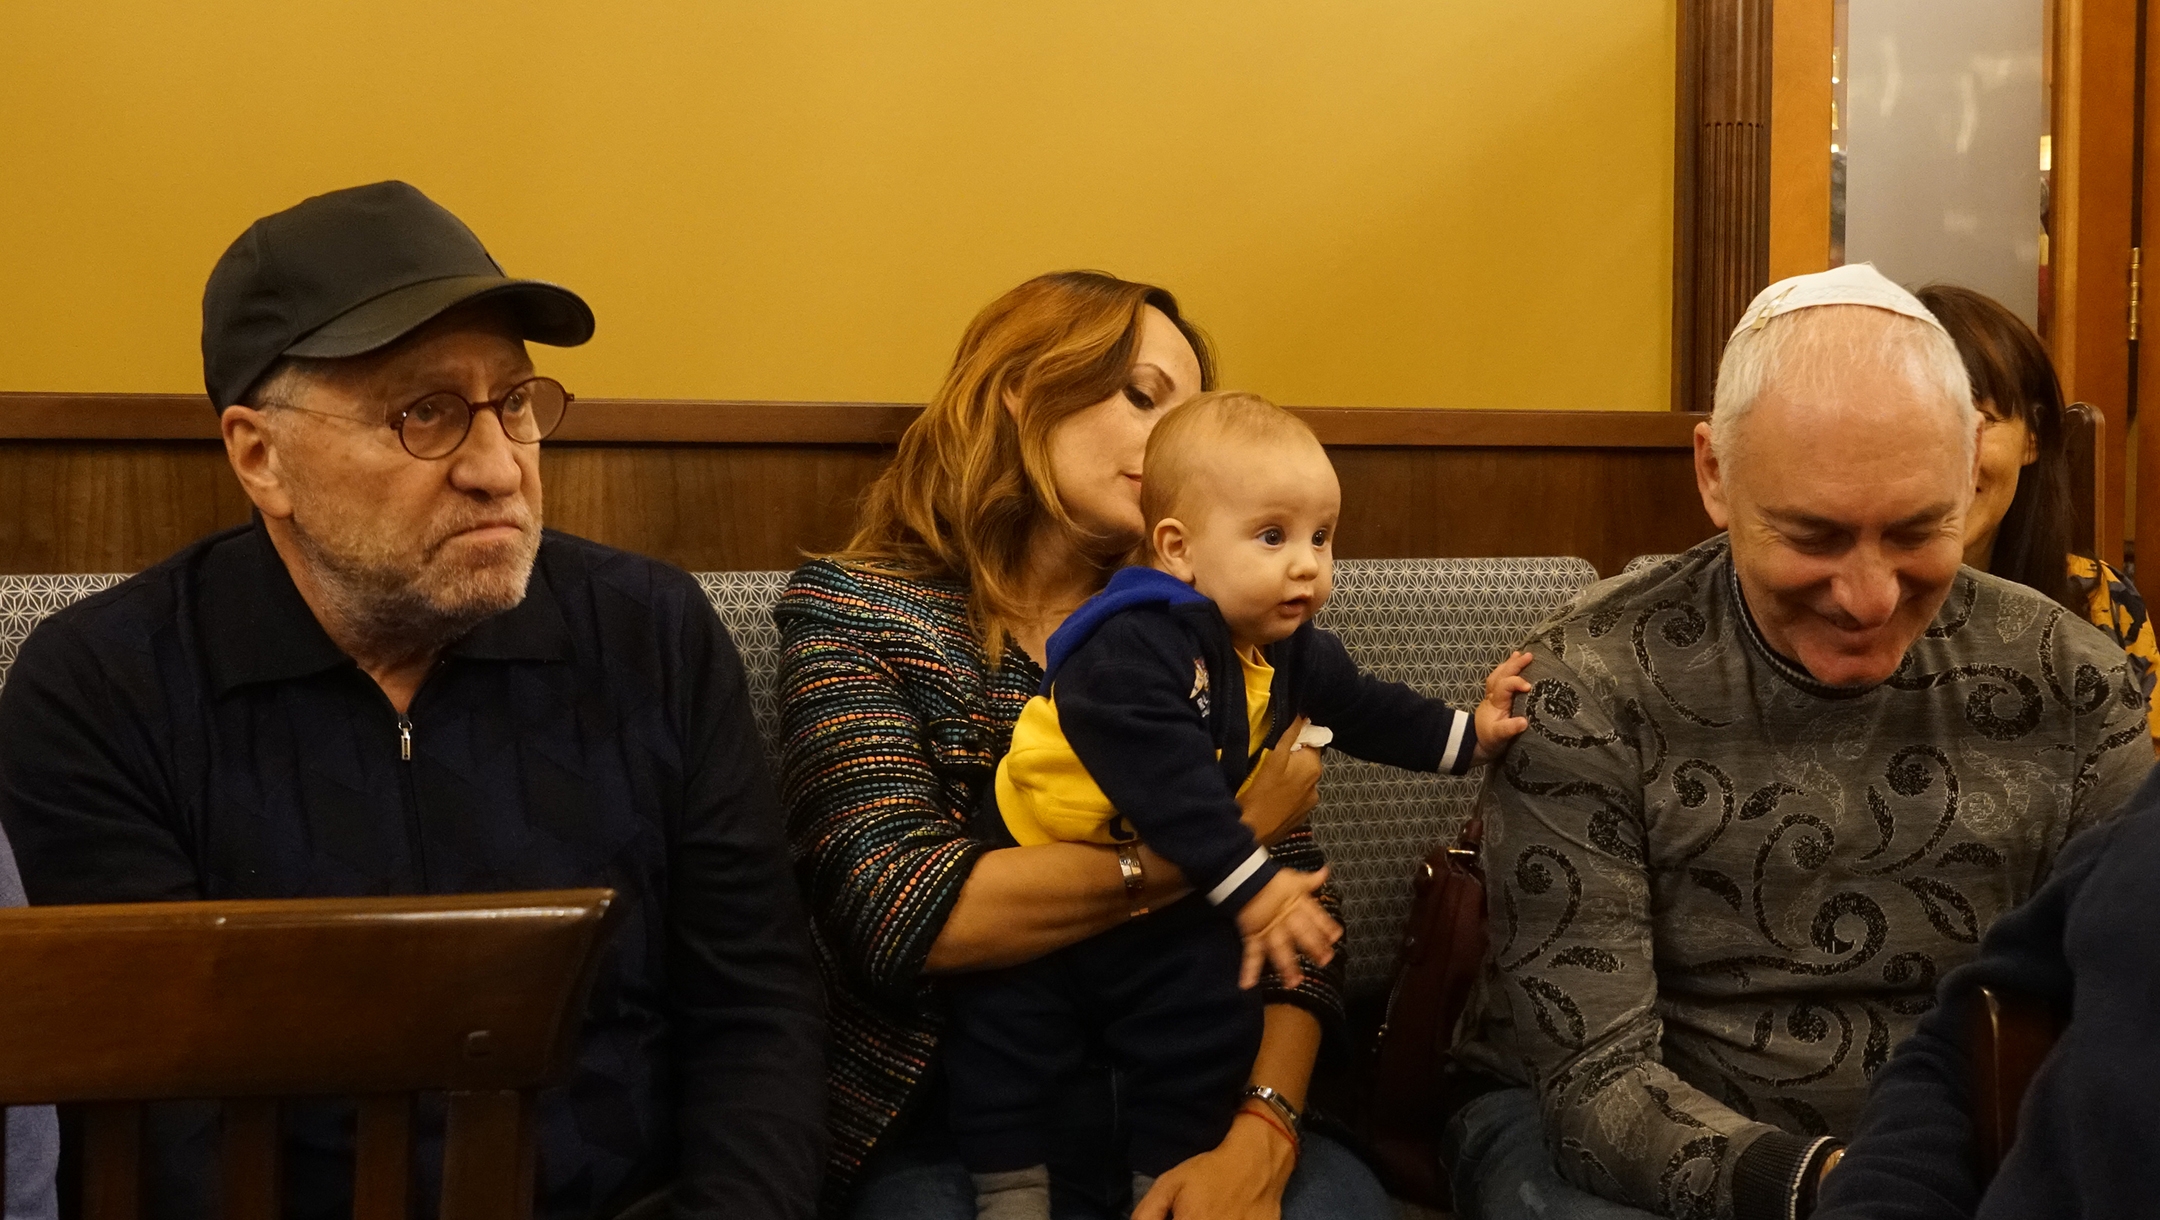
2011,1036
479,996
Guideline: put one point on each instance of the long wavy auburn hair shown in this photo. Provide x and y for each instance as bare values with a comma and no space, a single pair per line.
972,480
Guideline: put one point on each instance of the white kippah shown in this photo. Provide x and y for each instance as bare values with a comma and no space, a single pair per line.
1851,284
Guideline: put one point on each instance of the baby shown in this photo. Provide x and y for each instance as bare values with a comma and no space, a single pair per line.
1160,698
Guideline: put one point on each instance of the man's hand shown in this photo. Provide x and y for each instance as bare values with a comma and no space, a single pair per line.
1497,723
1284,789
1283,920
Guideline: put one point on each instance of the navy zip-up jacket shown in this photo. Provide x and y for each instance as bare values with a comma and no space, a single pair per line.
1122,671
2088,946
193,733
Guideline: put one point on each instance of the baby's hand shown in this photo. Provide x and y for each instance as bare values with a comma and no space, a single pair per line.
1497,723
1283,920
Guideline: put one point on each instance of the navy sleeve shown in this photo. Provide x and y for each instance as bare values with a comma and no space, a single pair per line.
750,1026
1382,722
1124,700
1911,1157
82,796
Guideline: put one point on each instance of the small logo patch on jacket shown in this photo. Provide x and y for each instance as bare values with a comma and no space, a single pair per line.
1199,693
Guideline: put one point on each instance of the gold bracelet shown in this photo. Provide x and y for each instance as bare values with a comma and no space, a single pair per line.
1129,867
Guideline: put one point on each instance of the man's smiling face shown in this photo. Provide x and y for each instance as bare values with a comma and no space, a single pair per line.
1845,501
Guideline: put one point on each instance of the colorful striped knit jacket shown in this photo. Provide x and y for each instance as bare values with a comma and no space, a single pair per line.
891,726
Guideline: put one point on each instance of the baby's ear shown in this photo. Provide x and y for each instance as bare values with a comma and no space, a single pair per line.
1172,547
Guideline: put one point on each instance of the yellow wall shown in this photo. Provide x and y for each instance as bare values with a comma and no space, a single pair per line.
1454,203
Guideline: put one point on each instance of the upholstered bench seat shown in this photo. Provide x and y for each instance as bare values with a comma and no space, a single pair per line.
1437,624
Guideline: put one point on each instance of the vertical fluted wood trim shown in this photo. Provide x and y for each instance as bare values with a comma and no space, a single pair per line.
1721,189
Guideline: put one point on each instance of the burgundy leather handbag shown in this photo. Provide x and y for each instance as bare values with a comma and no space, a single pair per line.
1442,955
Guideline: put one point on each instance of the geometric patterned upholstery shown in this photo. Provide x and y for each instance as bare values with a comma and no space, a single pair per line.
1640,562
26,600
744,601
1438,625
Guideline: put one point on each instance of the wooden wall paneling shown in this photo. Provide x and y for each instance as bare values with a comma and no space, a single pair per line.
2093,149
110,506
711,507
714,507
133,417
1721,196
142,417
1800,97
712,486
1605,505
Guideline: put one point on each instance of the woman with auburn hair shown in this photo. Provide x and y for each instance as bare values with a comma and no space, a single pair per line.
2019,525
905,662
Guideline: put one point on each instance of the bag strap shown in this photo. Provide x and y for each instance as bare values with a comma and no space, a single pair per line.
1473,835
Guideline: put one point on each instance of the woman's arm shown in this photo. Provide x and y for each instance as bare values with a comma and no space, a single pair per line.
1243,1177
891,876
881,857
1022,902
1289,1045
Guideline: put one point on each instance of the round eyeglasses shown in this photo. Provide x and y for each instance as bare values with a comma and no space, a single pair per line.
435,426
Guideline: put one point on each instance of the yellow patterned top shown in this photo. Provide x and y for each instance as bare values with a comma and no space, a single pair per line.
2114,606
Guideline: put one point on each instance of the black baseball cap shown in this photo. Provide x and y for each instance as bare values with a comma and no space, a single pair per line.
352,271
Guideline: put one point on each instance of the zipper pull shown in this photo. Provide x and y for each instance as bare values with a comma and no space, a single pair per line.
404,739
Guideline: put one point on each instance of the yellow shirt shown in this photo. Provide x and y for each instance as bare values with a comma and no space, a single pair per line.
1046,796
1259,686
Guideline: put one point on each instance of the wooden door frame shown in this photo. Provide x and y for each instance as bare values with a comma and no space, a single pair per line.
1754,79
1751,168
1804,40
2093,121
1721,183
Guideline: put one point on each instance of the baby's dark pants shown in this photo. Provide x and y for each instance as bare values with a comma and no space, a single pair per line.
1157,998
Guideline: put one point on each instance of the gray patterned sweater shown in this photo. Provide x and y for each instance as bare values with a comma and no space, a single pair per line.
1721,892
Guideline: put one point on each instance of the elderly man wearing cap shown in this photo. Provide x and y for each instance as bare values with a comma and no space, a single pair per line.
394,682
1771,790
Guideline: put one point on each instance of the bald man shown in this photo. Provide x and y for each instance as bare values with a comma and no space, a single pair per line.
1771,790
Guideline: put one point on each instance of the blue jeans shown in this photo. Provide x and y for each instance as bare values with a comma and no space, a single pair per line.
33,1150
1328,1184
1501,1169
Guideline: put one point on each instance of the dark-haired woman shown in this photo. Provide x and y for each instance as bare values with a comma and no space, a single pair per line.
2020,524
905,663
